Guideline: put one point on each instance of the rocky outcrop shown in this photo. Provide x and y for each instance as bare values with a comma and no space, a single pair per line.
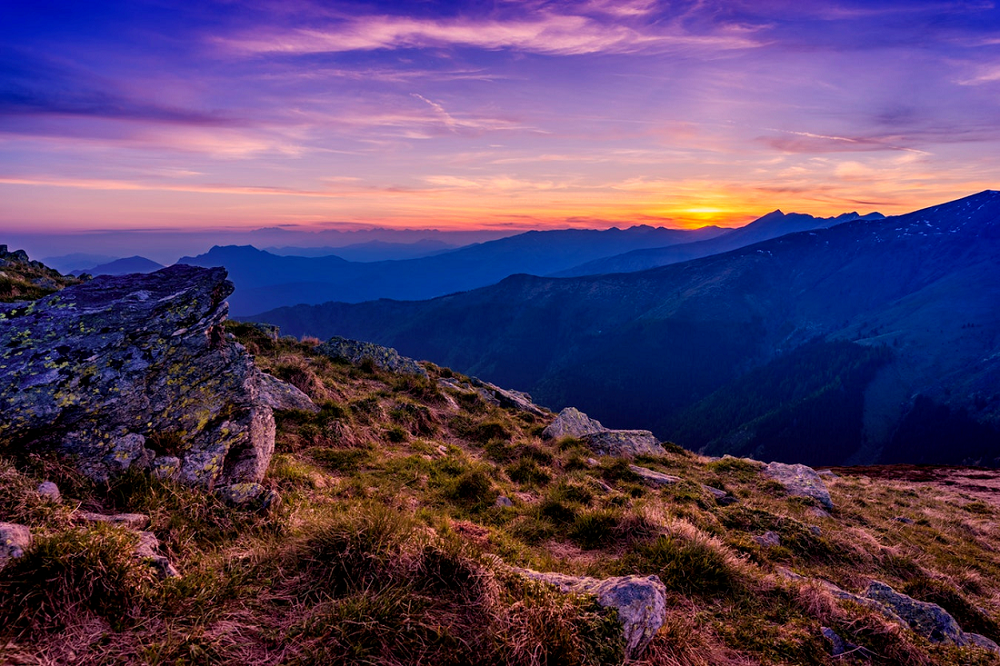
640,601
571,422
147,551
277,394
14,540
137,370
800,481
356,352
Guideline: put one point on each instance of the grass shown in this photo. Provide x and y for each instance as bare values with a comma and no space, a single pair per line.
385,547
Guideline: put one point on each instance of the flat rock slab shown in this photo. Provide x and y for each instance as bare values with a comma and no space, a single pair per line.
639,600
122,370
133,521
653,477
800,481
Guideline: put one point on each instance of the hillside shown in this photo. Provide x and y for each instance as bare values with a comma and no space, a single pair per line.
770,226
264,281
23,279
408,501
662,348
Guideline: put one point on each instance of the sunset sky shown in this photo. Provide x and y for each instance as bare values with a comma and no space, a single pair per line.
140,115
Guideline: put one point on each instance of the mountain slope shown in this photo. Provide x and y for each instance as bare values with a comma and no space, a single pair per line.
639,349
770,226
265,281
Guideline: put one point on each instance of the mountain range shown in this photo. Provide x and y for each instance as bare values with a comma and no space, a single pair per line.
873,340
264,280
770,226
122,266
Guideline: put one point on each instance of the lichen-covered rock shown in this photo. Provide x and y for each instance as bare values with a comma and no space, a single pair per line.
653,477
22,279
14,540
800,481
639,600
277,394
929,620
983,642
571,422
355,351
121,370
624,443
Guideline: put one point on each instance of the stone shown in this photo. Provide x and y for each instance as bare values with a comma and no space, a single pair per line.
248,496
166,467
507,398
814,529
837,644
132,521
653,477
571,422
768,539
929,620
14,541
639,600
624,443
714,492
121,370
504,501
355,352
904,520
49,491
800,481
146,550
828,474
817,512
983,642
277,394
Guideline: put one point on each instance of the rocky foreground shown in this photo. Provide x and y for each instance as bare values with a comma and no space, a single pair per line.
175,488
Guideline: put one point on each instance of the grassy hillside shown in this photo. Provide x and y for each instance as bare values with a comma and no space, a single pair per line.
389,546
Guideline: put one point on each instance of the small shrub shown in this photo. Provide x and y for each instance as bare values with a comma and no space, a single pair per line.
472,488
595,529
617,469
689,566
341,460
356,551
396,435
527,472
565,491
499,450
77,570
558,511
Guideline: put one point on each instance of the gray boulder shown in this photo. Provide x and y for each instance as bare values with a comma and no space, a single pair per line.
507,398
800,481
640,601
355,351
624,443
983,642
14,540
571,422
121,371
768,539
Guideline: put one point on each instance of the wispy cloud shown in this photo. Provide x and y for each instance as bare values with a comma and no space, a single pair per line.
549,33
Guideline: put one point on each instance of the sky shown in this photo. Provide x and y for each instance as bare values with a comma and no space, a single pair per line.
234,115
